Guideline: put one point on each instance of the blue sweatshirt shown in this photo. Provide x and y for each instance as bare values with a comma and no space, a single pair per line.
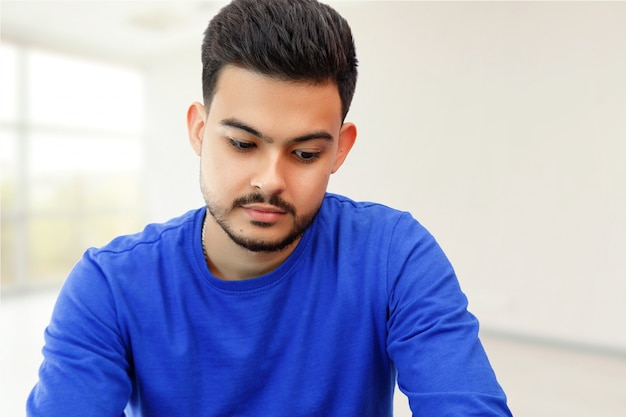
141,327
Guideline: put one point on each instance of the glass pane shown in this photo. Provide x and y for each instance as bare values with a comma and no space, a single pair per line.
78,174
115,192
8,156
8,262
70,172
82,193
54,246
68,91
55,194
8,82
58,152
56,243
101,229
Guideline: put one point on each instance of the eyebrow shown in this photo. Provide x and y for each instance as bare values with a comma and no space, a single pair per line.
237,124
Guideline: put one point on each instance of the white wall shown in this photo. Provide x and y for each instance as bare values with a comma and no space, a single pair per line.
501,126
171,167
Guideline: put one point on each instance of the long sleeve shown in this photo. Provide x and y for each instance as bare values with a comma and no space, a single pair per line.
85,371
432,338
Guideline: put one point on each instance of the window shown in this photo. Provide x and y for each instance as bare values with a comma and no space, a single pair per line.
70,160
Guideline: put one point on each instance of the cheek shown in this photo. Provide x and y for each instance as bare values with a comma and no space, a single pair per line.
308,190
224,176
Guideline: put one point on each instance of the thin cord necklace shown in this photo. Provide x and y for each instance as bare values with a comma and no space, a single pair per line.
206,256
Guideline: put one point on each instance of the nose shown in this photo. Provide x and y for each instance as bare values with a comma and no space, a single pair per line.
269,177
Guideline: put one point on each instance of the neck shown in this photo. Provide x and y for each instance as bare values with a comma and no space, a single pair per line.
229,261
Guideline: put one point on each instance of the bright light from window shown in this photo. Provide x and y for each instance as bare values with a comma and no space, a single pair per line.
8,82
70,154
54,153
74,92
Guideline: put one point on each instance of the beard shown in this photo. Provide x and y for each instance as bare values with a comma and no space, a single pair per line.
299,226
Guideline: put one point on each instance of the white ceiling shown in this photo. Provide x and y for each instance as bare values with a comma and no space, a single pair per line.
132,32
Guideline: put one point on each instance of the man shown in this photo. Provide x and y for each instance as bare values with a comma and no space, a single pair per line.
276,299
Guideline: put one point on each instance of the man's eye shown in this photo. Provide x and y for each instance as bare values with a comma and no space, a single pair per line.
307,156
241,146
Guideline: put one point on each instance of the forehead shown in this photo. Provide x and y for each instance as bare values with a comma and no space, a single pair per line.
269,102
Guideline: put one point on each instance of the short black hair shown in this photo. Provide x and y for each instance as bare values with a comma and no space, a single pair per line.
299,40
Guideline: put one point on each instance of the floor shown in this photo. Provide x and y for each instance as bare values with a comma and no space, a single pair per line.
540,380
543,381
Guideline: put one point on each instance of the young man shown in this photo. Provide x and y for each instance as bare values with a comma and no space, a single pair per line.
276,299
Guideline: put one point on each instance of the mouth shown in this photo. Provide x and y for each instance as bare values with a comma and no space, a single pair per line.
264,213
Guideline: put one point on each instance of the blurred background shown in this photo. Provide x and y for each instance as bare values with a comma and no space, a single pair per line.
501,126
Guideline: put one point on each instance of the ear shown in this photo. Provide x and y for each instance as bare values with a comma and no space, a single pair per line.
196,119
347,137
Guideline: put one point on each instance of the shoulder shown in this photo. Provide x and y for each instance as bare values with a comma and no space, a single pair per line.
140,261
368,225
175,231
341,205
159,246
341,211
375,225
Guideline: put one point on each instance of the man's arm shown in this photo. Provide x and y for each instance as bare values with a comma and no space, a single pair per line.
432,338
85,371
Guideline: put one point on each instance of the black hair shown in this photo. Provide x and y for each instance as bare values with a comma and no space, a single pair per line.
296,40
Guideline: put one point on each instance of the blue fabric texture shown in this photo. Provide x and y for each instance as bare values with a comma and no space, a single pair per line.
142,327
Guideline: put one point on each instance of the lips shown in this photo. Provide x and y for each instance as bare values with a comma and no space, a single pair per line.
263,213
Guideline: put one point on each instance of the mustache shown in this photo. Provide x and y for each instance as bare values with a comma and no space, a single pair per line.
274,200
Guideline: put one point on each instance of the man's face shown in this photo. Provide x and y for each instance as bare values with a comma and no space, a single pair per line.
267,150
